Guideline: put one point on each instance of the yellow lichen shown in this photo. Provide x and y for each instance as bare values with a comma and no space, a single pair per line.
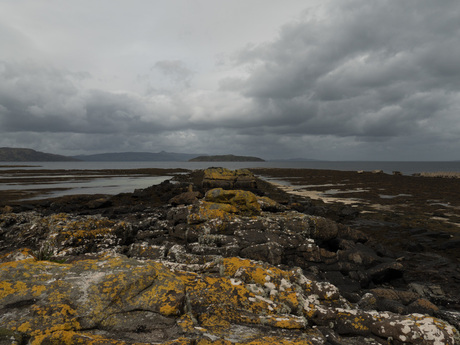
185,322
209,210
244,201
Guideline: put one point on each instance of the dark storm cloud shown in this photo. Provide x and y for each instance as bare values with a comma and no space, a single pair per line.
367,69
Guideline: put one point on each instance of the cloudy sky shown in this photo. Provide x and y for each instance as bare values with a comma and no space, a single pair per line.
334,80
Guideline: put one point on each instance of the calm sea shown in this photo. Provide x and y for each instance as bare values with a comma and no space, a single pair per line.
115,185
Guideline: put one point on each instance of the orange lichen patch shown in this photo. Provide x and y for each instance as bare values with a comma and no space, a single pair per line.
24,327
289,298
214,322
69,296
244,201
185,322
210,210
277,282
358,323
7,288
149,286
249,270
267,203
225,174
53,318
15,276
310,311
208,293
89,228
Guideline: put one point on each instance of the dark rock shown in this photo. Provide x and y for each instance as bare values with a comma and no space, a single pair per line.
422,306
361,255
386,272
186,198
394,306
344,284
269,252
179,231
451,244
99,203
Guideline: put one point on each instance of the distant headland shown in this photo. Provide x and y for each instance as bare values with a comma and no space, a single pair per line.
9,154
226,158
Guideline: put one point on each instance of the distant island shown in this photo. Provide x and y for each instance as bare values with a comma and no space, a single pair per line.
9,154
226,158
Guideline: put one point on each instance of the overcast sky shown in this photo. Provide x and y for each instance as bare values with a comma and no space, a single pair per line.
334,80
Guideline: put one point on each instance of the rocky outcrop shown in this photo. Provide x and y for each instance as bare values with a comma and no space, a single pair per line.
121,300
45,299
228,179
225,266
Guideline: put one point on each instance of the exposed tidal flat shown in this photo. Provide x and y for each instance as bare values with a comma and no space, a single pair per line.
37,179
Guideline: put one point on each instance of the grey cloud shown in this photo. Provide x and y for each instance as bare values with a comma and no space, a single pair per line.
363,69
39,98
176,70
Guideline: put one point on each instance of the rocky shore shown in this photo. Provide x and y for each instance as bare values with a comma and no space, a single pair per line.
219,257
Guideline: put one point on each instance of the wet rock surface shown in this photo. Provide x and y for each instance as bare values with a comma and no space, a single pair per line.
198,262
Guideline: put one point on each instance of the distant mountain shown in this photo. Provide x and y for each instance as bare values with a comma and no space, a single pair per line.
137,157
10,154
226,158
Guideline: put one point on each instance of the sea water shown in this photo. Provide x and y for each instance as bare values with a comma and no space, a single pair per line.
115,185
406,168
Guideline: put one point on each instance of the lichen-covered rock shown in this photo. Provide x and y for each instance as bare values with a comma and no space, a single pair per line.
228,179
41,297
116,300
244,201
245,289
61,234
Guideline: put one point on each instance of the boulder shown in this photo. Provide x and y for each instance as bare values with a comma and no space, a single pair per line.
228,179
40,298
244,201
